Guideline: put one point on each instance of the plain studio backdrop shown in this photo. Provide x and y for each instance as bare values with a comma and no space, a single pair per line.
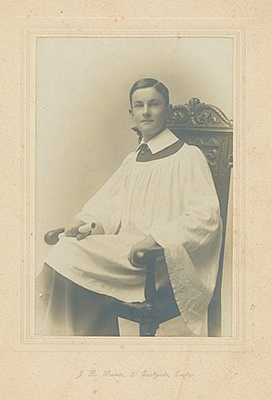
83,127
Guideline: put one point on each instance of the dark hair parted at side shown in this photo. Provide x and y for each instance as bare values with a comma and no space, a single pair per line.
150,82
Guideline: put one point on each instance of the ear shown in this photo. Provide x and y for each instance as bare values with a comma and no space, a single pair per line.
131,114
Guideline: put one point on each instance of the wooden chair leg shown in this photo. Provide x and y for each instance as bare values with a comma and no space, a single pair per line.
148,329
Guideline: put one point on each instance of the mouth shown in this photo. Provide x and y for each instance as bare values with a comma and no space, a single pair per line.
147,120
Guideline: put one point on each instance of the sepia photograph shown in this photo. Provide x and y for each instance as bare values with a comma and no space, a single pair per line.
133,192
136,246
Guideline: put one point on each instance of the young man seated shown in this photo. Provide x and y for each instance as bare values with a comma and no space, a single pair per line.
162,194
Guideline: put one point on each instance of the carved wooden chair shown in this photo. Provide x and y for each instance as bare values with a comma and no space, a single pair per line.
207,127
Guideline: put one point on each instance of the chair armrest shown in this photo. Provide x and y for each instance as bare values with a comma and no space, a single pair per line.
52,237
147,257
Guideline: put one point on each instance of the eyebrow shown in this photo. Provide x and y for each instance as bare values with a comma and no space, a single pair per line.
140,101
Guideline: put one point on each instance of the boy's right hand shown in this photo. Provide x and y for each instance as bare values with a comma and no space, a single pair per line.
72,230
80,229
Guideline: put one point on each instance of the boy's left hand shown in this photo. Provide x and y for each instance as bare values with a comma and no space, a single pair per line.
144,245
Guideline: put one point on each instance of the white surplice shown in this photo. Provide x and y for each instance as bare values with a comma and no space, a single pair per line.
173,199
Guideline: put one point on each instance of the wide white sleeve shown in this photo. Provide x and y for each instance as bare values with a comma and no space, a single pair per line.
192,241
200,213
106,205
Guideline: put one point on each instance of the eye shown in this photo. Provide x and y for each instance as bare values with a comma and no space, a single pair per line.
155,103
137,105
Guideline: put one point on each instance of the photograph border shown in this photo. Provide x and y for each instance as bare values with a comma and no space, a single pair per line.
28,341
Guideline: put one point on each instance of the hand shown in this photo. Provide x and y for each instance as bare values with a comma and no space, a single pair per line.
93,228
144,245
72,230
81,230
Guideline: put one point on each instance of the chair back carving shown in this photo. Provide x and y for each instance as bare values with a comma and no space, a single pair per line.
207,127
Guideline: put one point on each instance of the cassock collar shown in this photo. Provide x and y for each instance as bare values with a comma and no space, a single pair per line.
159,142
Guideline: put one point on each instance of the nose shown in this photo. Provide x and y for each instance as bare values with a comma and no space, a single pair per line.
146,112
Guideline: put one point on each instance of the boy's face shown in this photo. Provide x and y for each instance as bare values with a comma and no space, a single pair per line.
149,112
